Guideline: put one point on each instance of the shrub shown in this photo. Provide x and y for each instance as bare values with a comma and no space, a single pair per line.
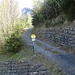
14,43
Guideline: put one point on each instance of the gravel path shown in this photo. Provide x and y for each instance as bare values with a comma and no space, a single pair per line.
64,60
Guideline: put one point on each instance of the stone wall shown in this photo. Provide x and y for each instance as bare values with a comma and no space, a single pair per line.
63,37
22,68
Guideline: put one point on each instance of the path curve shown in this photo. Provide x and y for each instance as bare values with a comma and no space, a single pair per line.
64,60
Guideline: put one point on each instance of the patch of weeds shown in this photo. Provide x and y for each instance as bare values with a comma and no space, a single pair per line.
27,52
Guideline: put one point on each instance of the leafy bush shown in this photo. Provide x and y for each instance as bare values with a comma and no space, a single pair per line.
13,44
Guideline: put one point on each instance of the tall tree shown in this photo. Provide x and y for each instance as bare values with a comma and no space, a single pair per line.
48,10
8,17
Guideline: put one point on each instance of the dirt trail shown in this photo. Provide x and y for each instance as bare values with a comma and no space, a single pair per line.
64,60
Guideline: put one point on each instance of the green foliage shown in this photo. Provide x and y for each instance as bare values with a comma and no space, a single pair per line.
37,19
71,12
28,20
68,7
14,43
50,9
65,4
8,19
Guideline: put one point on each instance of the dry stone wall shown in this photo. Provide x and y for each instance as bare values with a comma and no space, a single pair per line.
22,68
63,37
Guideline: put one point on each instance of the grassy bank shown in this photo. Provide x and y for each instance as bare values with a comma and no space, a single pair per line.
27,54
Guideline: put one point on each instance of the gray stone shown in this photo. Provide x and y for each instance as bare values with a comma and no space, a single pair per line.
64,37
21,68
